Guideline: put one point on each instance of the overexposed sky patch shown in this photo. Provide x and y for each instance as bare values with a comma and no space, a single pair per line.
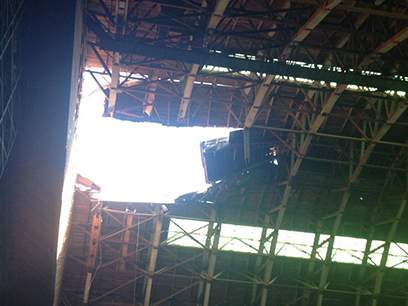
138,162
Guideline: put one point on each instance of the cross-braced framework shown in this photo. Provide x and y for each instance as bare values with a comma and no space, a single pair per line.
10,17
217,254
324,82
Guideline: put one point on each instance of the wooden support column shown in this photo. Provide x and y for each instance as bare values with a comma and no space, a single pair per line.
93,245
363,268
311,266
211,264
113,87
158,224
281,210
328,259
260,253
390,237
128,222
210,233
121,11
266,223
150,95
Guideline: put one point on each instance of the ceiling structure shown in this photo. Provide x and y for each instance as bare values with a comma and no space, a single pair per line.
11,15
325,82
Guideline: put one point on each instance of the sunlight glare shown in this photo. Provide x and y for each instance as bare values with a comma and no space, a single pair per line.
138,162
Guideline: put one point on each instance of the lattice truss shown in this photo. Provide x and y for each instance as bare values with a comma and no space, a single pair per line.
326,82
10,16
206,254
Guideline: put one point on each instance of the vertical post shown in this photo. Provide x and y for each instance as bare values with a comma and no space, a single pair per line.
211,264
121,11
113,88
94,239
312,262
210,233
267,220
247,146
269,260
363,266
380,272
150,95
125,239
327,261
158,224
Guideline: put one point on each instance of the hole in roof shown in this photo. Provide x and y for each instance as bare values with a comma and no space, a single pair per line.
138,162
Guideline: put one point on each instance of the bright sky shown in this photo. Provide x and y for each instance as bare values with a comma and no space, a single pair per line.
138,162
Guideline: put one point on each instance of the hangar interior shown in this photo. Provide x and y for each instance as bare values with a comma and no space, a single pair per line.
308,194
10,71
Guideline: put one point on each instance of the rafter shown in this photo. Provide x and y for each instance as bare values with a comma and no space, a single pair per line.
303,148
250,119
299,36
215,19
386,46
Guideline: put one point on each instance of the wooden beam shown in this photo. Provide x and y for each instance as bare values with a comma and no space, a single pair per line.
93,246
158,224
128,222
215,19
299,36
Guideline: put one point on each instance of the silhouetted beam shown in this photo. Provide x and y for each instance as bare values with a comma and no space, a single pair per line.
374,12
211,265
203,57
210,231
386,46
191,77
300,36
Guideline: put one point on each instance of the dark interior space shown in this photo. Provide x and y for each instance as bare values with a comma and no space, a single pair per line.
31,187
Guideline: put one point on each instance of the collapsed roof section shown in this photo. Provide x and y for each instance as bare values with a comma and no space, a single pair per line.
325,80
320,79
242,151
